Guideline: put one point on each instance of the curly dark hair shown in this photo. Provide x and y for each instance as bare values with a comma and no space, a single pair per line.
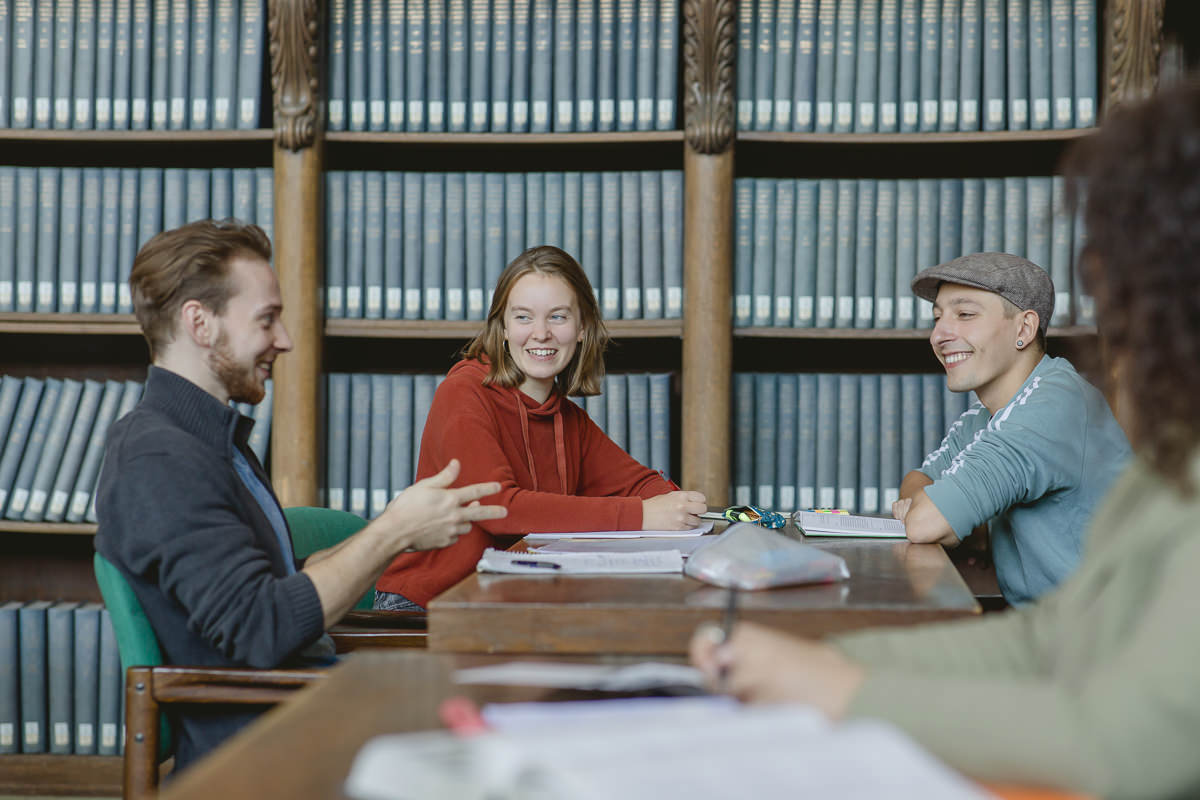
1138,182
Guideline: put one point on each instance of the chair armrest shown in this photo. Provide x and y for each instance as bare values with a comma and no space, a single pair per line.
175,684
407,620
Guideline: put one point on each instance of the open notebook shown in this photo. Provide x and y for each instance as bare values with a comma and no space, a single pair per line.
816,523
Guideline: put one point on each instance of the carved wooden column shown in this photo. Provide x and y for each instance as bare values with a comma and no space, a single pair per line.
294,27
1133,33
708,111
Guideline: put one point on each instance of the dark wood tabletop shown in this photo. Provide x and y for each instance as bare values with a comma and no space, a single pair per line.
892,582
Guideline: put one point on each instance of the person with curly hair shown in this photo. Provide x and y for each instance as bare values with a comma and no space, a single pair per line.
1095,686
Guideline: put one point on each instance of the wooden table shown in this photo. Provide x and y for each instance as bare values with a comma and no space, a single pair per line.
891,583
302,750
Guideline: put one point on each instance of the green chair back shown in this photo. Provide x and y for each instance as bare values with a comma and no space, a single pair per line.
315,529
135,638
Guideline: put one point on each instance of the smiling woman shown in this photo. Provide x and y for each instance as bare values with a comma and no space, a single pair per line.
503,412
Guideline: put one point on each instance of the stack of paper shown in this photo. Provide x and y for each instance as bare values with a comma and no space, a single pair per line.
817,523
579,563
704,528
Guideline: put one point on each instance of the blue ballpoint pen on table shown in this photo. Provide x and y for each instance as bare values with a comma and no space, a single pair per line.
542,564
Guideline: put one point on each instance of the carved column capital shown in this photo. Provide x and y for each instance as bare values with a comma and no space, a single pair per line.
709,47
1133,42
294,30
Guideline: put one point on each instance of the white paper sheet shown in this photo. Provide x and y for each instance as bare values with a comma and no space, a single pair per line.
602,677
684,546
704,528
551,564
814,523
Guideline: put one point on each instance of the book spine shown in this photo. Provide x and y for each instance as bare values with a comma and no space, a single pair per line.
72,457
493,244
457,66
647,19
928,242
617,410
651,240
890,467
667,70
785,443
414,238
994,70
949,219
932,428
804,255
84,75
638,393
911,432
20,71
474,247
221,193
396,62
1015,209
354,243
540,79
606,65
745,62
47,239
18,435
571,213
631,238
844,66
160,64
535,208
763,283
379,444
480,60
175,199
827,252
889,66
1017,61
1039,65
950,66
843,289
785,243
122,63
911,58
356,66
8,237
885,254
765,417
585,65
139,45
764,63
972,216
866,90
264,200
89,469
10,686
50,451
110,235
435,65
433,247
1085,63
69,213
610,244
1062,54
178,57
1060,253
377,66
336,82
906,252
1085,305
1038,221
847,444
626,64
197,49
43,65
60,676
784,49
563,76
400,463
597,406
454,246
868,445
931,45
31,619
806,441
260,434
970,75
63,65
590,225
502,63
744,439
864,256
514,214
743,253
552,209
672,243
993,215
373,263
827,440
86,668
337,450
660,423
522,59
414,92
804,71
335,244
111,684
243,192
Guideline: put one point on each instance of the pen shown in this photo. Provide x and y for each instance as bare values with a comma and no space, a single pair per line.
727,623
542,564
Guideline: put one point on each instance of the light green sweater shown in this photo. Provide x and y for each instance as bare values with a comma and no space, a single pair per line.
1094,688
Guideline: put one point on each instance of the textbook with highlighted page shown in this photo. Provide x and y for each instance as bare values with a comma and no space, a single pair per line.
820,523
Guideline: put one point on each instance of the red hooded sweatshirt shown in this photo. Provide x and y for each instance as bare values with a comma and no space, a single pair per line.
557,472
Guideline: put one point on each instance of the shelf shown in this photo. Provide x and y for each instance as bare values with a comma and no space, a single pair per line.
67,528
585,139
25,147
70,324
127,136
466,329
893,139
45,774
854,334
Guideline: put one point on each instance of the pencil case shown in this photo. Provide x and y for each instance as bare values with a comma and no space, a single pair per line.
747,556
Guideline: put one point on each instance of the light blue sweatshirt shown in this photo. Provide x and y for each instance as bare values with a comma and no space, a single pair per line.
1036,470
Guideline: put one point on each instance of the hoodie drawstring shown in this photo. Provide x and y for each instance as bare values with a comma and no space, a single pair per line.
560,447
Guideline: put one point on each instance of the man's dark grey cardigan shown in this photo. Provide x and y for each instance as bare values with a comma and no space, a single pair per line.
201,556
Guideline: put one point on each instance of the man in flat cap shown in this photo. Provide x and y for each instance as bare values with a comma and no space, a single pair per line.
1037,448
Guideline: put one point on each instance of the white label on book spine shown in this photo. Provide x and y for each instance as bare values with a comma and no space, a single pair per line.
499,116
1062,303
6,293
787,498
178,112
475,301
666,113
1041,110
374,299
762,307
62,112
108,735
248,115
19,499
845,113
783,309
995,110
200,112
33,734
846,498
1020,111
783,113
970,112
62,734
910,111
612,301
949,112
742,495
1062,110
653,301
904,310
337,499
69,291
745,113
806,497
741,307
825,497
433,302
887,115
454,301
333,301
412,301
1085,113
103,111
803,114
520,113
416,113
607,111
479,113
645,110
79,504
870,501
437,113
6,734
58,502
158,110
845,307
87,295
633,302
358,114
396,114
353,300
890,496
766,495
20,110
378,112
458,114
137,111
37,501
358,501
825,307
825,113
83,734
762,112
24,293
865,308
625,111
379,500
123,295
674,300
120,112
108,294
562,111
925,311
866,114
41,110
45,295
883,312
83,112
929,112
337,113
587,111
804,308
